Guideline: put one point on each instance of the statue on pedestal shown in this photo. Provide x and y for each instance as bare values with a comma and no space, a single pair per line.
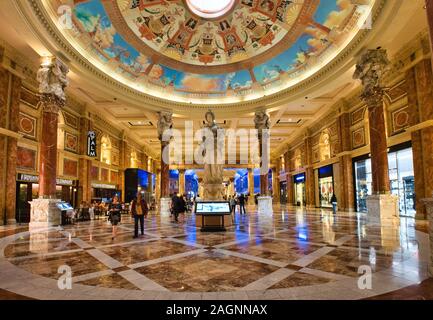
213,154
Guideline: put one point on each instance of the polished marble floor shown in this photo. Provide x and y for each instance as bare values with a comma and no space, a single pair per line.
291,253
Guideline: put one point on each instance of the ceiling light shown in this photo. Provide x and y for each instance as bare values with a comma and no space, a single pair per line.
210,9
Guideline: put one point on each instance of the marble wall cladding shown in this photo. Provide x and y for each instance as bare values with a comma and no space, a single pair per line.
29,98
358,138
412,97
114,175
94,172
71,142
27,125
400,119
397,92
26,158
71,120
424,80
104,174
70,167
2,176
358,115
427,151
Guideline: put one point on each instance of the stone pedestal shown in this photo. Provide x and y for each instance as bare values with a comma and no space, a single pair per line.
213,191
429,209
44,213
264,205
164,208
383,209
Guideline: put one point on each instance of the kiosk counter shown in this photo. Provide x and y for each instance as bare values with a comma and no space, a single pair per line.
213,215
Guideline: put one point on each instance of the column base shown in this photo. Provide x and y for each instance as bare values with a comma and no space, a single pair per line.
44,213
11,221
429,209
264,205
164,207
383,209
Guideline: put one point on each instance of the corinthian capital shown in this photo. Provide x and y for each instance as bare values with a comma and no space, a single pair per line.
261,120
165,122
370,69
52,78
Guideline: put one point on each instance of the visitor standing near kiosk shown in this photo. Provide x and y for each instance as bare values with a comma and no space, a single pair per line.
114,216
139,210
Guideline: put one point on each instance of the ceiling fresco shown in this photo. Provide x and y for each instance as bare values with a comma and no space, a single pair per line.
256,48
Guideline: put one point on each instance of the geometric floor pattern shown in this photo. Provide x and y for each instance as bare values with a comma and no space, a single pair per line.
291,253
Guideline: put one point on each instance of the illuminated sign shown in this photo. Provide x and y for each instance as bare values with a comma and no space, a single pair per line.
213,207
35,179
103,186
91,144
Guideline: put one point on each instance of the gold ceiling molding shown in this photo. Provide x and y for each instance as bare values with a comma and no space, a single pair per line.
81,66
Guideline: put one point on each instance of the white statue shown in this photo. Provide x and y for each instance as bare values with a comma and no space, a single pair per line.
370,69
165,122
52,79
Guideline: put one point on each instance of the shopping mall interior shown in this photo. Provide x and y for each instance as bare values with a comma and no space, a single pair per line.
296,137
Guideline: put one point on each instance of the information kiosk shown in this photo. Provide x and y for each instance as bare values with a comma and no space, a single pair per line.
213,215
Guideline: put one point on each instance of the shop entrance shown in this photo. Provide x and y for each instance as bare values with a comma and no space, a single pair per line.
299,188
283,192
326,186
401,176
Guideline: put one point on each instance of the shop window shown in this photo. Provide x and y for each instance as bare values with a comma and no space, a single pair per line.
106,150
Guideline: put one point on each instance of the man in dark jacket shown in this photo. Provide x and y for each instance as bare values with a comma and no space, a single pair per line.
241,200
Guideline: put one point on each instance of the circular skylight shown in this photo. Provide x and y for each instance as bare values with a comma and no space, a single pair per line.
210,8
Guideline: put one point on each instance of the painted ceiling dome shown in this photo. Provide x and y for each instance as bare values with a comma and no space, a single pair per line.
212,52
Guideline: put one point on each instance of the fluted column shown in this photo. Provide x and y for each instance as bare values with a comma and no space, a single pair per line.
261,121
370,69
165,123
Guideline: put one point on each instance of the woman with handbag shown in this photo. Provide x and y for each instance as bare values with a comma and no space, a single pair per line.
114,210
139,211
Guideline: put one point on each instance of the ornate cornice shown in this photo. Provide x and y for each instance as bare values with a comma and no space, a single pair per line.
333,68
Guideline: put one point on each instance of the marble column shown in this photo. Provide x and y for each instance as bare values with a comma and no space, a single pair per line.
381,205
165,123
310,185
52,82
429,208
346,200
290,191
10,88
84,163
262,125
182,181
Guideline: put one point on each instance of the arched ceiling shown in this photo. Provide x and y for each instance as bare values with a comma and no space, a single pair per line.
248,50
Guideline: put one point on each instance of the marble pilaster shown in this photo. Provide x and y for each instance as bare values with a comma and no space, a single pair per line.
182,181
250,186
429,208
10,88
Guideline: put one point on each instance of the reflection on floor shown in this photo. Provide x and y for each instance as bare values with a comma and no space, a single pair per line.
291,254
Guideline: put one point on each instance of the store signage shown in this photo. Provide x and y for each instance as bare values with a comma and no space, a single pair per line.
103,186
300,178
91,144
35,179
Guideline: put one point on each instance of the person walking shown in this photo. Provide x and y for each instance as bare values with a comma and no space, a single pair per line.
181,207
334,203
242,204
139,210
114,215
232,204
175,200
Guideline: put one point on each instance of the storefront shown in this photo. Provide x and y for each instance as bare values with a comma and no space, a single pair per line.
326,186
27,189
138,180
105,192
299,189
283,187
401,176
